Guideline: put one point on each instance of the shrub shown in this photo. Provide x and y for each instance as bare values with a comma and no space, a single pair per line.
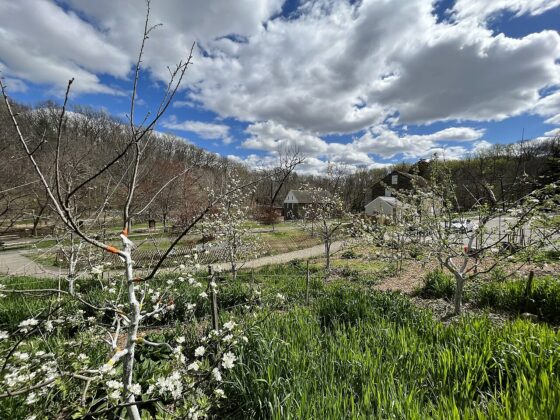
544,299
437,284
348,255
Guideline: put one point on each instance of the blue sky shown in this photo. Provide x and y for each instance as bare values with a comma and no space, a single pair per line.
361,83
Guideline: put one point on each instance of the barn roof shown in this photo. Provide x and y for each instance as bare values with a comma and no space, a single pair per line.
392,201
307,196
421,181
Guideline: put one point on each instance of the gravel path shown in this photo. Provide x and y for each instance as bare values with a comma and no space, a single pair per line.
301,254
15,263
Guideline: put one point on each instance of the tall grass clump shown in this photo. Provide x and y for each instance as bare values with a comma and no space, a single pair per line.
437,284
542,300
361,355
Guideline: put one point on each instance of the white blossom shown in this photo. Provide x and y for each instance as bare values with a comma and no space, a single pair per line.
114,384
217,375
28,323
230,325
4,335
21,356
228,360
193,366
136,389
31,398
199,351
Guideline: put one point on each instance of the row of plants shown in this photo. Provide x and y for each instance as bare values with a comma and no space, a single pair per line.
541,297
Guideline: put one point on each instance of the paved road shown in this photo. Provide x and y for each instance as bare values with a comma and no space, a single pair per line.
15,263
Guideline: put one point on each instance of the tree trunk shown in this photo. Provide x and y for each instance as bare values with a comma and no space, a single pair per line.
134,315
328,255
37,220
458,298
234,270
70,279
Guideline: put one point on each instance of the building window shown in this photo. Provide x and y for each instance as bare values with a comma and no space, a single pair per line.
387,192
394,180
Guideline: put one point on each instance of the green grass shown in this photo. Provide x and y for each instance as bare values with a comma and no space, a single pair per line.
351,353
544,299
437,284
357,355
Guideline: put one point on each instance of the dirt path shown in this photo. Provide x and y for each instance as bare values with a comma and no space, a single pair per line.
301,254
15,263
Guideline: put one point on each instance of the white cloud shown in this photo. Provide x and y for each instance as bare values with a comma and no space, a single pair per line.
553,120
204,130
42,43
14,85
549,106
380,141
388,144
552,133
482,9
334,67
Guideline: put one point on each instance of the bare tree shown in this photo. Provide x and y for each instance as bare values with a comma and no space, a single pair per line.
288,160
467,249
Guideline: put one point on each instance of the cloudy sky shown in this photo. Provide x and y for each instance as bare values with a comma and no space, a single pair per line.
364,83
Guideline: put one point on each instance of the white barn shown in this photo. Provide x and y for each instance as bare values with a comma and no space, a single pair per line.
388,206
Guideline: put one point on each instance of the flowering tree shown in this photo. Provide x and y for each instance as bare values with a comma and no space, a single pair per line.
468,249
327,213
229,225
98,345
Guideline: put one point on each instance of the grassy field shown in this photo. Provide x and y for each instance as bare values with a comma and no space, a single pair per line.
352,352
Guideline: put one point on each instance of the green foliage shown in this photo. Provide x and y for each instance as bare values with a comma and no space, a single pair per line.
381,358
544,299
437,284
349,255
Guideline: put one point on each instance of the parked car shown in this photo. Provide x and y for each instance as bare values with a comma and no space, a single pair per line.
462,226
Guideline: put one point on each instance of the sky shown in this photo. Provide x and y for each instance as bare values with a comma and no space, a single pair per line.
357,83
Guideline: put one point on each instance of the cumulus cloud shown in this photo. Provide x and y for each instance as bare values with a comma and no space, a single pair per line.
387,143
482,9
204,130
332,67
42,43
549,106
379,141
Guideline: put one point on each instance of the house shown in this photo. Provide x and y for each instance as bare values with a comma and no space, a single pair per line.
396,181
298,201
387,206
382,193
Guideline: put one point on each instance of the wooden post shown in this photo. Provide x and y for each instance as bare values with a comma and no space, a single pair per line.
307,285
529,287
213,300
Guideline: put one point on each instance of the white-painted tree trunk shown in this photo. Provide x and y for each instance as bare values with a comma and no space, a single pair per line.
134,316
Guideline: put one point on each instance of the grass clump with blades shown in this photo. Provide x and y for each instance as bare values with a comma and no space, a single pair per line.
437,284
511,296
373,355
